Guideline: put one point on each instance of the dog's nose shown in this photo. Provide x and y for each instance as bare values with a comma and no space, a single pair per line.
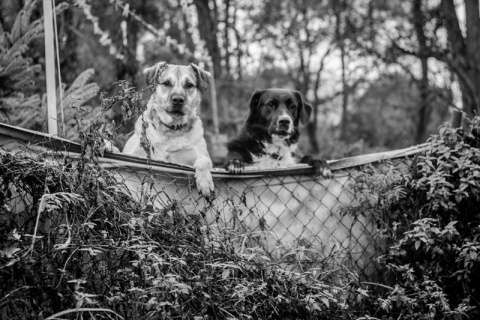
178,100
284,122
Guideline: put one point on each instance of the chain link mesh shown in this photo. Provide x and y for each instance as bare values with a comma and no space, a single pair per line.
295,219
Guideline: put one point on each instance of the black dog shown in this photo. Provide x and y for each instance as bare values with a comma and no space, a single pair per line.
270,135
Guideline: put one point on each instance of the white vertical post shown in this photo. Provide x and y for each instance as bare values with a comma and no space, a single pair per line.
213,91
50,67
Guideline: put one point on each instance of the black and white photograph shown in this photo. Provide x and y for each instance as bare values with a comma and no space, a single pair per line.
239,159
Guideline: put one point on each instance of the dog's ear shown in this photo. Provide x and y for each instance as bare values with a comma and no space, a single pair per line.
153,73
254,105
305,108
203,77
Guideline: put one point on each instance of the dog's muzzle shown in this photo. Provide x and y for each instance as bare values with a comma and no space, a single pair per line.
175,113
177,106
283,126
178,101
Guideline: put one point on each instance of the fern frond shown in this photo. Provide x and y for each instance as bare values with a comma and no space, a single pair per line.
30,118
74,97
17,72
16,31
22,25
29,6
81,95
15,63
31,102
79,91
21,108
23,82
22,21
20,74
80,80
19,101
7,58
35,32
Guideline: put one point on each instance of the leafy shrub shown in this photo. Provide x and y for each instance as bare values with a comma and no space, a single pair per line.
429,222
84,247
75,244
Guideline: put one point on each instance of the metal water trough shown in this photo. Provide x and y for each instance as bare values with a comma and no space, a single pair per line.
289,213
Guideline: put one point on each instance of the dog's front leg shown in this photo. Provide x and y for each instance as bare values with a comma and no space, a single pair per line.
234,162
203,176
320,166
110,147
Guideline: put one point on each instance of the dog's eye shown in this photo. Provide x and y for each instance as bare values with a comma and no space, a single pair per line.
270,104
189,85
166,83
292,106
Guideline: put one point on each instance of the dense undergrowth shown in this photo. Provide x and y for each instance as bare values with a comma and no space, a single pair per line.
429,221
97,249
74,244
84,249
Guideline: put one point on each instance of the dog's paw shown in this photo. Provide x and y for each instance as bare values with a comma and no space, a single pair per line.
110,147
320,166
204,181
235,166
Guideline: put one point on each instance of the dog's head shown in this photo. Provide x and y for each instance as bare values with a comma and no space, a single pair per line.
177,90
279,111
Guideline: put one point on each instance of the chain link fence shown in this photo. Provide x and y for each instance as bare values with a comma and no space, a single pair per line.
295,218
292,216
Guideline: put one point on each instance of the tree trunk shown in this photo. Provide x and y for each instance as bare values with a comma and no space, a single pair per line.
207,27
473,47
345,95
424,111
312,132
311,128
340,38
128,68
239,41
460,64
313,124
226,46
303,83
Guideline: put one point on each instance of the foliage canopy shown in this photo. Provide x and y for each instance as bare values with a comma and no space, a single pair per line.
429,222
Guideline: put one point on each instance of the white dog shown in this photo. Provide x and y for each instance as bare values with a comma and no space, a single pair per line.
172,126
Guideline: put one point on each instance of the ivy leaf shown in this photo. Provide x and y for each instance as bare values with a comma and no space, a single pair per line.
325,302
458,198
473,255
